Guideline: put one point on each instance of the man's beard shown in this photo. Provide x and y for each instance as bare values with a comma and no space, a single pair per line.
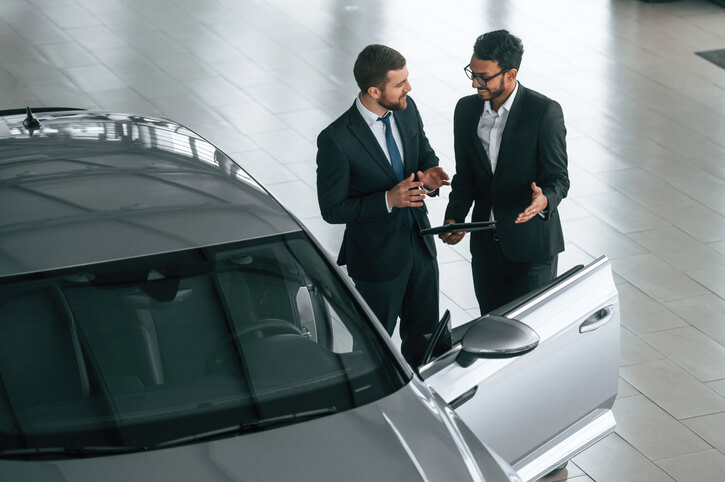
492,94
401,104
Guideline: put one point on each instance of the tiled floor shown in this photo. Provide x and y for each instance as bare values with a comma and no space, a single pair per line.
646,121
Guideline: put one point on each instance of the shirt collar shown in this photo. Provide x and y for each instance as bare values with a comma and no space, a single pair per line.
368,116
506,106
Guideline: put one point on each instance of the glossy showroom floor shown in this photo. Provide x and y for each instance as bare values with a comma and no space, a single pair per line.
646,122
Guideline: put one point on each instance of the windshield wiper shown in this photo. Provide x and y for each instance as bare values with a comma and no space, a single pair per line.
264,423
254,425
67,452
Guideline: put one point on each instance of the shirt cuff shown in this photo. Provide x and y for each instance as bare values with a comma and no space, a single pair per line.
386,203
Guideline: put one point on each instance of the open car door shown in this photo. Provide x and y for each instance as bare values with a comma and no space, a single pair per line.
538,406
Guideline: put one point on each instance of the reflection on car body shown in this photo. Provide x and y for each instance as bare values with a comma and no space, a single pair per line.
160,311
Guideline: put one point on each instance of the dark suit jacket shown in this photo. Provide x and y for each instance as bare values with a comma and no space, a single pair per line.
533,148
352,177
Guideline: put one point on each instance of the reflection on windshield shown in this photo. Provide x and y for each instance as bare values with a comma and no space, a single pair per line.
182,347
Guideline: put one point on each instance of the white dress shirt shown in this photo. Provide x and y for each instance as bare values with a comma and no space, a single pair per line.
378,129
491,126
490,130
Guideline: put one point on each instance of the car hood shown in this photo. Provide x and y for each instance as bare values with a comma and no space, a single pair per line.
404,437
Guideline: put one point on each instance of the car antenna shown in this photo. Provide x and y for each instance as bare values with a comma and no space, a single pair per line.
31,122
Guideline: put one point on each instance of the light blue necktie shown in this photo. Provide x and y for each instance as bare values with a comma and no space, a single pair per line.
395,158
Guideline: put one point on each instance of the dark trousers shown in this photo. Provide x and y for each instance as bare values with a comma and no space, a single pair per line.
412,296
498,280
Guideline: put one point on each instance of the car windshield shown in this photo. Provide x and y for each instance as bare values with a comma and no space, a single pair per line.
173,348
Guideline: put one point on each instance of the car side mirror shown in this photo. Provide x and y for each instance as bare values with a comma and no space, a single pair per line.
494,336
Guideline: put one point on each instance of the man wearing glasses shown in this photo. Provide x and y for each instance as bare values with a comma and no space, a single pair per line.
511,165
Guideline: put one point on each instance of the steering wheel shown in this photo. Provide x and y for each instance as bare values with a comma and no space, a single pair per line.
225,354
271,326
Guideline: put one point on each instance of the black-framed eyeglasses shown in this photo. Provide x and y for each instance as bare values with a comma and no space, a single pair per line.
481,80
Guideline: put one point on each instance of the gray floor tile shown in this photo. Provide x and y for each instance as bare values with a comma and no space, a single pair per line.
653,431
673,389
692,350
639,185
124,100
153,44
43,30
251,118
67,54
263,167
678,248
31,71
456,283
278,97
63,94
703,312
181,67
69,16
718,386
695,219
641,314
95,78
711,428
286,145
229,139
305,171
96,37
298,197
656,278
154,83
13,47
610,207
124,60
707,466
625,390
570,209
706,189
596,238
187,110
613,459
309,122
712,278
633,350
217,91
593,157
583,183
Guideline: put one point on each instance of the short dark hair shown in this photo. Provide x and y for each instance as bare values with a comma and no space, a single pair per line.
373,64
500,46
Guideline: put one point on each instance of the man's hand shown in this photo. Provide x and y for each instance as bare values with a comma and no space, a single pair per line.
538,203
451,238
434,178
406,194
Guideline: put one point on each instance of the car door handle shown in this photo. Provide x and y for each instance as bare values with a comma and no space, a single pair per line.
597,320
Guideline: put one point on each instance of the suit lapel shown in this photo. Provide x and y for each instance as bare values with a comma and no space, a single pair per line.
362,132
513,119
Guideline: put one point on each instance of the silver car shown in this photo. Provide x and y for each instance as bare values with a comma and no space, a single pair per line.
163,317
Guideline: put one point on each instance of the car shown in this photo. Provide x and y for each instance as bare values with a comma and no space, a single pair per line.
163,317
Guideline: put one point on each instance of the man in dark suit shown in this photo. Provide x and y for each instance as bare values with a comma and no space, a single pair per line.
511,163
374,169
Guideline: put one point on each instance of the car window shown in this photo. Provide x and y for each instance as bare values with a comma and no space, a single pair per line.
160,350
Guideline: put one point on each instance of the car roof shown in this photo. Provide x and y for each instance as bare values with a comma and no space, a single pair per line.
88,187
